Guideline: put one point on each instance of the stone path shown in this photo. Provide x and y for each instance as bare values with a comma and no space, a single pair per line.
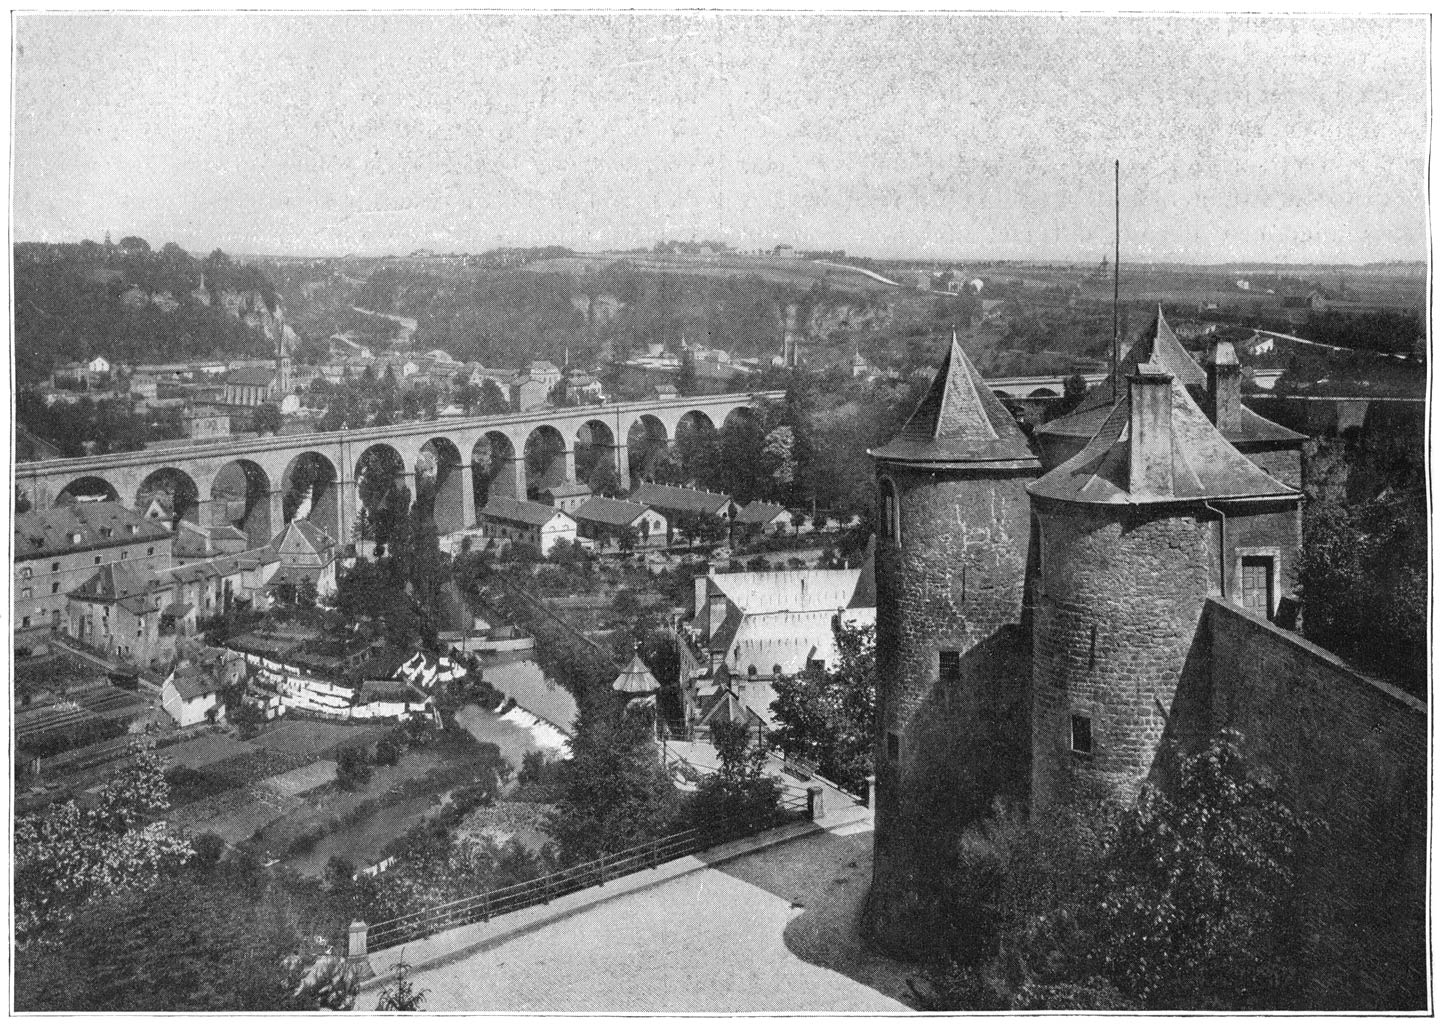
772,931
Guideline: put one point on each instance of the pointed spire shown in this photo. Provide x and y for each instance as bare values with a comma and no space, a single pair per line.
959,421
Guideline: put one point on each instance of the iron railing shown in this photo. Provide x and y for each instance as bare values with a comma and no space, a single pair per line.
607,867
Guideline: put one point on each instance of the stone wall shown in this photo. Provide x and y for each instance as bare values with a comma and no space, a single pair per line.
1121,596
954,583
1353,752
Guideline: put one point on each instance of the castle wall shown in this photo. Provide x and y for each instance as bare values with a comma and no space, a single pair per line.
955,583
1353,752
1121,597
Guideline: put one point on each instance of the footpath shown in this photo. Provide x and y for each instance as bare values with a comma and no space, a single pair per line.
842,816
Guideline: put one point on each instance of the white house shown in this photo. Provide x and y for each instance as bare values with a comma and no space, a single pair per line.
529,522
191,695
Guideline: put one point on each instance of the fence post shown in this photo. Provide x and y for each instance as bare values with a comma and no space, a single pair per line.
870,791
359,933
815,802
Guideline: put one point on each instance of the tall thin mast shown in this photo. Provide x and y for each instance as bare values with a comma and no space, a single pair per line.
1115,305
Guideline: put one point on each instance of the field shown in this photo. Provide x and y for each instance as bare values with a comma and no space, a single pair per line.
311,739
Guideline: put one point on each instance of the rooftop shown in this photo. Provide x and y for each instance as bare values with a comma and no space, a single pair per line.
685,499
610,511
1204,464
530,513
98,524
960,421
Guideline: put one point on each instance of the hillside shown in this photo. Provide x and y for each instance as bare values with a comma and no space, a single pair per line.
132,304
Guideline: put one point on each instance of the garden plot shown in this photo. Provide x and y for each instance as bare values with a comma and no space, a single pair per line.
205,750
299,781
234,816
309,740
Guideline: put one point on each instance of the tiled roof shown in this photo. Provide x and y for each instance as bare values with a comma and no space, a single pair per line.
40,534
1161,347
569,489
759,513
1205,465
680,499
302,537
531,513
635,678
254,376
192,682
136,589
609,511
960,421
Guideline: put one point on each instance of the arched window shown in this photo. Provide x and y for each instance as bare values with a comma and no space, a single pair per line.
775,670
752,672
889,511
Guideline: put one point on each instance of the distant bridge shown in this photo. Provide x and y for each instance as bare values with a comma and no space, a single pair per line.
245,483
1054,386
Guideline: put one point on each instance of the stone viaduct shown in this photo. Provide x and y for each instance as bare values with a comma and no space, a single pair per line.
259,484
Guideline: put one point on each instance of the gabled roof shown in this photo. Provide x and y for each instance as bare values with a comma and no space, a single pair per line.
1161,347
530,513
759,513
253,376
635,678
609,511
40,534
302,537
960,421
192,682
1205,465
682,499
133,588
724,706
569,489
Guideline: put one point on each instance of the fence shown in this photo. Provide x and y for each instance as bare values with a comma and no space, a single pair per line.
470,909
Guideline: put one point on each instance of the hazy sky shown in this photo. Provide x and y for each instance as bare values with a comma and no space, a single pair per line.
944,135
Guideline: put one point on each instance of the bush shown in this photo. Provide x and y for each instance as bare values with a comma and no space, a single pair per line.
352,768
388,751
740,793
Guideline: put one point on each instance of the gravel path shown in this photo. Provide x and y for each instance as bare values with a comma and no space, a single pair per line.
776,931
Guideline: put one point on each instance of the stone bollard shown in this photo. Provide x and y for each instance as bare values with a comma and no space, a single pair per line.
815,802
359,930
870,791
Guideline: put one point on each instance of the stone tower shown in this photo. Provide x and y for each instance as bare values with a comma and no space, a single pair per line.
951,643
1157,512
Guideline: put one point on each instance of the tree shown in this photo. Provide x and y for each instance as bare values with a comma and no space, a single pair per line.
492,400
403,997
615,794
193,944
741,791
352,768
827,716
66,855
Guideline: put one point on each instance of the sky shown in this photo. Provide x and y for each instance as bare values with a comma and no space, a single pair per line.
942,135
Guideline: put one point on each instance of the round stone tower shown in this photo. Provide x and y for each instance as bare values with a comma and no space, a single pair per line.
952,649
1154,515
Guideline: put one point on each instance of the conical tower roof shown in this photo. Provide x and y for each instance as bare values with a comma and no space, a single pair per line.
1159,346
960,421
1204,464
636,679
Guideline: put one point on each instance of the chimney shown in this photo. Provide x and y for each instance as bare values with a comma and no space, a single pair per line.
717,612
1152,473
1222,404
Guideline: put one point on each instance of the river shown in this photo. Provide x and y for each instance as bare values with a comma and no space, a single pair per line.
522,679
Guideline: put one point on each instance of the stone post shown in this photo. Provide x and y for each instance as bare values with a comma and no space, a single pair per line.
622,465
359,931
815,802
467,493
870,791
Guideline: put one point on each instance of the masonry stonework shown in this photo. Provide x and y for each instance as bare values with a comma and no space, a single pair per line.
955,583
1352,753
1121,594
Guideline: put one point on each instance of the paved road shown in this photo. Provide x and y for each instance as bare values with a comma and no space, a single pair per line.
775,931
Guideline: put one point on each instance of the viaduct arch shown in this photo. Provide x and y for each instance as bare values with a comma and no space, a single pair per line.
259,484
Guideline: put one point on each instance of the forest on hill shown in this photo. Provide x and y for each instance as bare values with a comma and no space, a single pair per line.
503,318
131,304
